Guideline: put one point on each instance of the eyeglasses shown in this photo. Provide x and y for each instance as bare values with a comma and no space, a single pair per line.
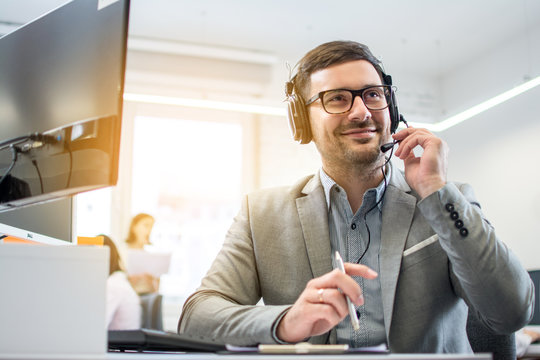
339,101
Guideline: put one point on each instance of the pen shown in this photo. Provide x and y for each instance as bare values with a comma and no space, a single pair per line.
352,311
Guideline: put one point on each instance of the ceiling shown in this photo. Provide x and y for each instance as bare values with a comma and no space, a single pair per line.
425,37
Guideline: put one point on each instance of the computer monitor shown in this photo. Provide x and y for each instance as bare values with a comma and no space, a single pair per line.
61,89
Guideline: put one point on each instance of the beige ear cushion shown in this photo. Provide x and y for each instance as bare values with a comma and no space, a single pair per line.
298,119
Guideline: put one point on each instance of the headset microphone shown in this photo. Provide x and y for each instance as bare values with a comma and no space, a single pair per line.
385,147
388,146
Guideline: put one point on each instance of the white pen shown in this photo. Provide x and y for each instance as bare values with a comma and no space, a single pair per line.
352,310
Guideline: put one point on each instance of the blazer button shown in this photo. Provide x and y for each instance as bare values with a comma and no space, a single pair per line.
449,207
459,223
463,232
454,215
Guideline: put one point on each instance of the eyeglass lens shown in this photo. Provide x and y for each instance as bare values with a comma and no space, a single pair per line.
340,101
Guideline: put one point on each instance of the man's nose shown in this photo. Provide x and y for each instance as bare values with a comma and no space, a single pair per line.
359,109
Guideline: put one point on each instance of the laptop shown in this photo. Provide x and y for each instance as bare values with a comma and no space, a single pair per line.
58,290
156,340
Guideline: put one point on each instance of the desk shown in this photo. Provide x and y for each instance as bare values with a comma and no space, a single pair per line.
208,356
213,356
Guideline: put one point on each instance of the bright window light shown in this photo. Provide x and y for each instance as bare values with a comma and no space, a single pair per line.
188,175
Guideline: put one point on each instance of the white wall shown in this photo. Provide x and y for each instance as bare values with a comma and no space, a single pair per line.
512,62
496,151
282,161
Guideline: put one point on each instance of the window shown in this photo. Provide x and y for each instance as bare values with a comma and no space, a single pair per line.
188,175
93,213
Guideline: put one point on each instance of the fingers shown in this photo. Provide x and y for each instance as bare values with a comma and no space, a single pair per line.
411,137
425,173
330,297
344,282
316,311
322,304
360,270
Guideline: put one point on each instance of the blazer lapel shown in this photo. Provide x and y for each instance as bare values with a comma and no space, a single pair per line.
313,216
398,212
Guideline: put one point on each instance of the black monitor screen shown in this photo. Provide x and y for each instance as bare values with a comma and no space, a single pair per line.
61,88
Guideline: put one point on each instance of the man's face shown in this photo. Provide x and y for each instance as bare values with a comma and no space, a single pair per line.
355,137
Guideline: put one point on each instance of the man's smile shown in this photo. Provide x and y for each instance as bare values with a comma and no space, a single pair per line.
360,133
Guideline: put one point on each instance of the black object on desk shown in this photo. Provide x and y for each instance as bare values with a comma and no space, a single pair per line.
156,340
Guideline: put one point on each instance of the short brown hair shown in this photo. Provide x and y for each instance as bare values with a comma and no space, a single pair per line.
328,54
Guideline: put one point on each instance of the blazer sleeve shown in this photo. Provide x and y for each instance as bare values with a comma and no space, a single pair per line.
225,306
485,272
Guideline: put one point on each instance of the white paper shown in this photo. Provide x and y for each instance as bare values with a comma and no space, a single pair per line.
141,261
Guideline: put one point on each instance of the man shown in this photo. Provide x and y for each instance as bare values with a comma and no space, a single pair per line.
418,252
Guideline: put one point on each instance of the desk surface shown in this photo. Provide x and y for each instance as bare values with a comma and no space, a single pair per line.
212,356
209,356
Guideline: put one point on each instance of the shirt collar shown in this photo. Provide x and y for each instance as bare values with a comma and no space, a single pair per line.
328,183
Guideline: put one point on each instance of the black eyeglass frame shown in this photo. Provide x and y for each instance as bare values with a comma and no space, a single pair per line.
389,89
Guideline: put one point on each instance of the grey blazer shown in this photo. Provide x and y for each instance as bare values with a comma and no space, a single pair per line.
431,271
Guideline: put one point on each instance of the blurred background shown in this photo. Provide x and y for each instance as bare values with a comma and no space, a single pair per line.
204,118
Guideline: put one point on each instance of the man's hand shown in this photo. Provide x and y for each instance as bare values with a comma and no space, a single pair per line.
322,304
427,173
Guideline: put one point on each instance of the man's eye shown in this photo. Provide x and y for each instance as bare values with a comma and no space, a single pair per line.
337,98
372,94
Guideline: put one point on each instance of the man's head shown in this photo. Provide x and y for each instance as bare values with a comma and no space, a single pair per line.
352,132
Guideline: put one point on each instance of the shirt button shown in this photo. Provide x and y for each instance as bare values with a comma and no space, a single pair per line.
454,215
449,207
353,226
459,224
463,232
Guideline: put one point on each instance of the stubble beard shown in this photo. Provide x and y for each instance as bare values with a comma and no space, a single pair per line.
367,156
348,158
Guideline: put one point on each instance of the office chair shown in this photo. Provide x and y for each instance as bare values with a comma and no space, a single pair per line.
535,277
152,317
484,340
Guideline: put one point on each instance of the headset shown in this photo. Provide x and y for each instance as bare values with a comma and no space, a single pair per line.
299,118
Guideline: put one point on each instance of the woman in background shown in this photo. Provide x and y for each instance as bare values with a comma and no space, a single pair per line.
139,236
123,303
139,231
